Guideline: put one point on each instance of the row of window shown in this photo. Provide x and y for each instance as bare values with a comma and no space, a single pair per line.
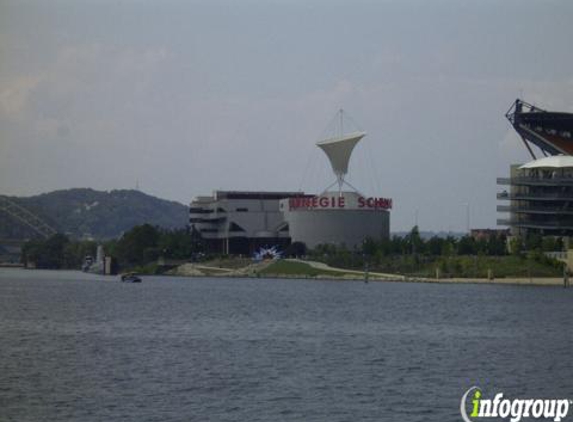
554,132
195,210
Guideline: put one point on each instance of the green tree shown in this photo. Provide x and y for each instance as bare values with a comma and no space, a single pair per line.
449,246
497,245
533,242
296,249
467,246
49,253
176,244
516,246
369,246
414,242
434,246
549,244
134,246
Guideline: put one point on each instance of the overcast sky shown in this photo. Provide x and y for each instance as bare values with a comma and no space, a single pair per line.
191,96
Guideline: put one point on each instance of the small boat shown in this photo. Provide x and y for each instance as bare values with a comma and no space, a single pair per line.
88,262
130,278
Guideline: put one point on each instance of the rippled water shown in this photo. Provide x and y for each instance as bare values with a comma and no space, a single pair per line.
77,347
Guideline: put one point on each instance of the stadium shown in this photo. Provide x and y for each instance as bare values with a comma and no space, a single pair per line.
241,222
540,192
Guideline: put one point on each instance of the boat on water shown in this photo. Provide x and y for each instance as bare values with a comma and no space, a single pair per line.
97,265
88,262
130,278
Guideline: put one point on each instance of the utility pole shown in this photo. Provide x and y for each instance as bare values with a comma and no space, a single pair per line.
467,205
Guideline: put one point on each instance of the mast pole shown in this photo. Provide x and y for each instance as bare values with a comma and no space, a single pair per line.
341,176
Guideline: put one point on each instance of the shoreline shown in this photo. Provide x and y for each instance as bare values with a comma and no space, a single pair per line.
253,272
344,276
514,281
534,281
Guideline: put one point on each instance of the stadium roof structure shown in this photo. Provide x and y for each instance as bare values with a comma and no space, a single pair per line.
551,132
552,162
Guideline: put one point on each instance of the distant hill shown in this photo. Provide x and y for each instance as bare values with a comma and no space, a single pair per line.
84,213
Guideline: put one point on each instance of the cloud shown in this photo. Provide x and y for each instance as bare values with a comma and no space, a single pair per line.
510,143
84,87
14,95
236,96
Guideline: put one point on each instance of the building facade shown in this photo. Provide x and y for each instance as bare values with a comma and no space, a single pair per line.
539,197
240,222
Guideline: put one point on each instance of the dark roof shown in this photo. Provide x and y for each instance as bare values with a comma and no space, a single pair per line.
551,131
221,194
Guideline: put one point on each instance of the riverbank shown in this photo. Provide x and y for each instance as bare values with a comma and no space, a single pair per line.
334,274
299,269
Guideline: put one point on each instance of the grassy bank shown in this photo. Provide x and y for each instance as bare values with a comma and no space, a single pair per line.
464,266
470,267
483,266
290,268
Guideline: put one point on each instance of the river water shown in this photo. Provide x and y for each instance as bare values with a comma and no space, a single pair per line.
78,347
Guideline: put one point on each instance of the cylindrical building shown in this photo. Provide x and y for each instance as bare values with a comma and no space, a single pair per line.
344,218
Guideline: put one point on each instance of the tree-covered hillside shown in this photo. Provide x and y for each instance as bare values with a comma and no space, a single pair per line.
87,213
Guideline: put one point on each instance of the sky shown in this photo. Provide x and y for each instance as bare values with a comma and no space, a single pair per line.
181,98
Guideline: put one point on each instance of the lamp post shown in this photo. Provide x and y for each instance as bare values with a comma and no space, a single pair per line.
467,205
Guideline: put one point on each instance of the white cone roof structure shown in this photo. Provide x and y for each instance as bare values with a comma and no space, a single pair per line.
338,151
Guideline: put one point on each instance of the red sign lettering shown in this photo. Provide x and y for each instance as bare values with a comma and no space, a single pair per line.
325,202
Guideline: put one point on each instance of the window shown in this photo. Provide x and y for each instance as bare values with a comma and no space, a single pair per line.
234,227
196,210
